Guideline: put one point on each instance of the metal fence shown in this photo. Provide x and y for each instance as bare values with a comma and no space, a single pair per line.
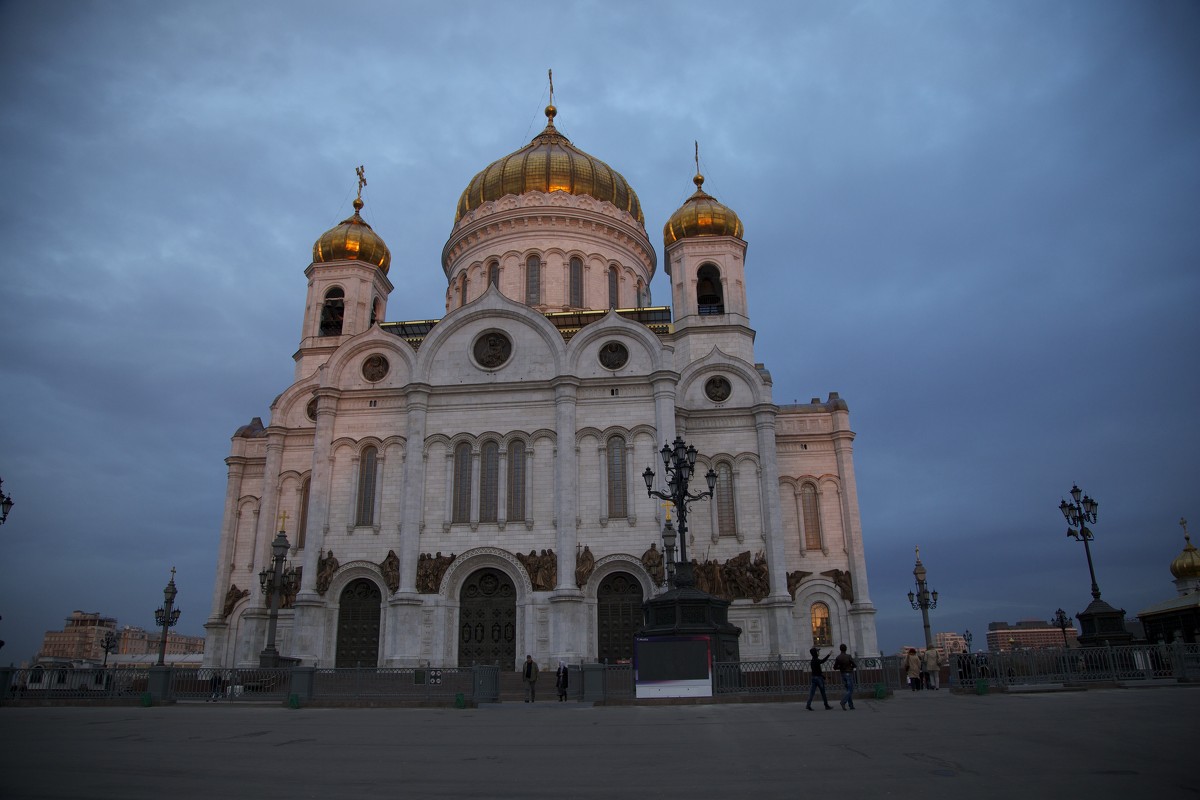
1078,666
70,683
239,685
794,676
411,684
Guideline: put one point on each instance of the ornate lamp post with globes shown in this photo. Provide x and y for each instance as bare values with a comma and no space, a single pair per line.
275,582
1099,622
166,616
923,598
1063,622
6,503
680,462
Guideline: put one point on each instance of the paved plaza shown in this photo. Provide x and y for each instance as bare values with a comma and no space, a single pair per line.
1119,743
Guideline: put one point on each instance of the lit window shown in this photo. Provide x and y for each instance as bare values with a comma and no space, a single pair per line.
821,633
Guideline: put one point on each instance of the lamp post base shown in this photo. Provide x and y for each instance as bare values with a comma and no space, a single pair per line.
1100,623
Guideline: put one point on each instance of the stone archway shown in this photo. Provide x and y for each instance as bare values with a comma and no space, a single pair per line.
358,625
618,617
487,619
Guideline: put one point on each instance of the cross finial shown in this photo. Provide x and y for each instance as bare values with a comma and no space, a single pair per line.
550,74
697,156
1183,524
172,574
283,521
362,180
668,506
918,549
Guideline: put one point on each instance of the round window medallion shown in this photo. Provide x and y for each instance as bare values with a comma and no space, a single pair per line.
492,349
311,410
375,368
717,389
613,355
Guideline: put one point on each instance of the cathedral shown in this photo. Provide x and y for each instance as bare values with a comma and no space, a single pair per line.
470,489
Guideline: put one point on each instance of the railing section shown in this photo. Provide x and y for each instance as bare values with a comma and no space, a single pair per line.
1082,665
400,683
243,685
71,683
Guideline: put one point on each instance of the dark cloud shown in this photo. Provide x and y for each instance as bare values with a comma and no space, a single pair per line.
975,222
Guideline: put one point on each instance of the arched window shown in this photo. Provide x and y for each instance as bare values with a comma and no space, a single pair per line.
462,483
709,296
726,510
516,481
617,504
576,280
533,281
613,282
366,488
811,516
821,633
462,291
302,528
376,304
489,481
333,312
494,274
642,299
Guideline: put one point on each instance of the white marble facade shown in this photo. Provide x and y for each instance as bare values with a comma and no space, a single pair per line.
535,424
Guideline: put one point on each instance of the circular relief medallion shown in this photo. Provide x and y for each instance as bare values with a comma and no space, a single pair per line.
492,349
311,410
717,389
613,355
375,368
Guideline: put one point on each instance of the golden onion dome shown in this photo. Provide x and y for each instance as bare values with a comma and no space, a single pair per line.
701,215
1186,564
549,163
352,239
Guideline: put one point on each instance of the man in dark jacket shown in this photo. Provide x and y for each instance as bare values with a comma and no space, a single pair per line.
845,665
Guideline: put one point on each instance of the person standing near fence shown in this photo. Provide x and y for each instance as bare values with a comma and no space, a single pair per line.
818,680
561,677
845,665
912,669
933,668
530,678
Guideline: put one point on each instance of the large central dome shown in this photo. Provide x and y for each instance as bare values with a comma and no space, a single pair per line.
549,163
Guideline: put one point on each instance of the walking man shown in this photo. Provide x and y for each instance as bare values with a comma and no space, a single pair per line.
818,680
933,668
530,678
845,665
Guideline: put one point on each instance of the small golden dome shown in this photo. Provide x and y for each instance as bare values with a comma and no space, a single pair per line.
549,163
352,239
1187,563
701,215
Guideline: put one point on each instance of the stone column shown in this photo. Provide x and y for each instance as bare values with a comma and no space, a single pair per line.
862,612
414,486
778,606
308,636
268,507
566,481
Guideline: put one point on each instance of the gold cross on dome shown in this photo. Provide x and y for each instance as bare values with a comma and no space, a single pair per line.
283,521
550,74
668,506
1183,524
362,180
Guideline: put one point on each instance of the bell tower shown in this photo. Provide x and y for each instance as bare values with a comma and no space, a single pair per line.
348,287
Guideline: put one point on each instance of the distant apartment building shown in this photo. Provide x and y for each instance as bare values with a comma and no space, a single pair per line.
1028,634
949,642
82,637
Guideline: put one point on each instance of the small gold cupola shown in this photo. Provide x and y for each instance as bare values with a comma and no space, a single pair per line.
1186,565
701,215
353,239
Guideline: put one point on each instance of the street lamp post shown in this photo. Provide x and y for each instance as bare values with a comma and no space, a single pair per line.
1062,621
1078,514
275,582
679,461
109,645
166,616
923,598
6,503
967,637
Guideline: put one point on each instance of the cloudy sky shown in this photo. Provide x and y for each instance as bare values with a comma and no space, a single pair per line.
979,222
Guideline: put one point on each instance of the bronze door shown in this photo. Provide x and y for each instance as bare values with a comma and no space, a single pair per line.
358,625
618,617
487,630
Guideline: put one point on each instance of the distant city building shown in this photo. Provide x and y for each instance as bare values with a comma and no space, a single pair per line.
950,642
1178,617
82,637
1028,634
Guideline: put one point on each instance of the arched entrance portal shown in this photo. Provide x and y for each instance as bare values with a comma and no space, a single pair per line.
618,617
487,613
358,625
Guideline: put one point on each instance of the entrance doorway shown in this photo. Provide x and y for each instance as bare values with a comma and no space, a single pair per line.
487,630
618,617
358,625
